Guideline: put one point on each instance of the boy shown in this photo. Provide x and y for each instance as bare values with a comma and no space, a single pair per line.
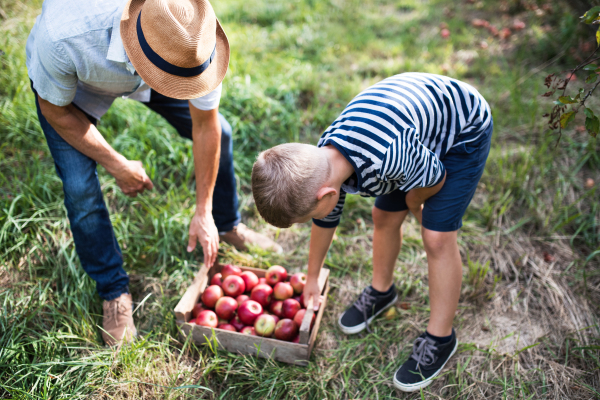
416,142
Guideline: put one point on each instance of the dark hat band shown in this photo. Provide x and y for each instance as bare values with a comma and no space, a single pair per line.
166,66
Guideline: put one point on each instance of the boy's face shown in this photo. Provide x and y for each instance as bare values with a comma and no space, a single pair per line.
324,207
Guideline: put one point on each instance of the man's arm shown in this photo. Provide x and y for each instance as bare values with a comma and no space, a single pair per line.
206,132
74,127
320,241
416,197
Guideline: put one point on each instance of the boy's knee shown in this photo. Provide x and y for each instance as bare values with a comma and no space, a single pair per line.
437,243
386,219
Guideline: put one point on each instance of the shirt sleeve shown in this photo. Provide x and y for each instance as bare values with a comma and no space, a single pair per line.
52,71
333,219
411,164
210,101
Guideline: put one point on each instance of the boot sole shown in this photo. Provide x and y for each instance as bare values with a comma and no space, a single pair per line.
413,387
351,330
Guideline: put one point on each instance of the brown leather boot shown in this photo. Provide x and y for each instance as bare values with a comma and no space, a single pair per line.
118,320
241,236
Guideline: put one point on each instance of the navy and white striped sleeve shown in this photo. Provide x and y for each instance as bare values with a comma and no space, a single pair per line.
411,164
333,219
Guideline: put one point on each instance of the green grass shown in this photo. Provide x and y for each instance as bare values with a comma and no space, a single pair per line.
528,327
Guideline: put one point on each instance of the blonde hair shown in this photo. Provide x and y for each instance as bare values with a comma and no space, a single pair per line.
285,181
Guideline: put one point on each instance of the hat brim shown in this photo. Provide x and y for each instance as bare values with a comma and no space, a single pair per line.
177,87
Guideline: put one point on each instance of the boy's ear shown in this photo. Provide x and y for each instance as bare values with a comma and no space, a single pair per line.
325,191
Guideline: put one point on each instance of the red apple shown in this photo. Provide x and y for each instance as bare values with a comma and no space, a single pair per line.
227,327
211,295
230,270
207,318
249,311
262,281
275,307
286,329
264,325
237,323
276,274
300,316
242,298
289,308
250,279
217,279
296,339
248,330
225,307
262,294
276,318
233,286
283,290
298,280
197,309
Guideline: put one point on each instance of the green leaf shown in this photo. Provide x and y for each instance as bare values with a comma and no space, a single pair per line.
591,78
592,125
567,100
591,15
590,67
589,113
566,118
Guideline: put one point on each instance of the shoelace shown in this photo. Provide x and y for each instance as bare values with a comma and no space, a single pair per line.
365,302
423,351
114,309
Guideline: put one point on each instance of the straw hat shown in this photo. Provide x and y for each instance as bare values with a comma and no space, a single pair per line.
176,46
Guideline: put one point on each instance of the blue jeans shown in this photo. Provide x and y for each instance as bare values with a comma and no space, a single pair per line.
93,234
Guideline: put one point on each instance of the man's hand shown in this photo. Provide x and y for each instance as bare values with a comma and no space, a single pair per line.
131,178
203,230
311,290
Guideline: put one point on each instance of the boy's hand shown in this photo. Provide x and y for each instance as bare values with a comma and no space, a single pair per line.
311,290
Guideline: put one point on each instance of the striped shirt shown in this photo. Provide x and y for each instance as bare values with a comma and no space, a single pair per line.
396,133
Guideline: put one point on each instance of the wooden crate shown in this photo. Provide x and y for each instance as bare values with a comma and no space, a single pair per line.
291,353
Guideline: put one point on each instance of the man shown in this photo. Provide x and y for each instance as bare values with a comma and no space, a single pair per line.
80,57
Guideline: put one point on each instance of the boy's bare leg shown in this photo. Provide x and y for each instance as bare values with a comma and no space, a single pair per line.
445,278
387,240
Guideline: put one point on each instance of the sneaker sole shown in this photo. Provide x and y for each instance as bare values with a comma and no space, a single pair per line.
419,385
361,327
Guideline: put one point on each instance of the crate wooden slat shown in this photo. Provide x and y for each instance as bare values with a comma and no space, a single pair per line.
235,342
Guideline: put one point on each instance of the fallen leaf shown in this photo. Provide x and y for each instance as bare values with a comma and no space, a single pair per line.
390,313
404,305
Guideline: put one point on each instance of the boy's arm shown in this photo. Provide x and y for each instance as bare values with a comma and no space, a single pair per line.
320,241
416,197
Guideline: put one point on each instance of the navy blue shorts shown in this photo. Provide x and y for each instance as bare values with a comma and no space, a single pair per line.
443,212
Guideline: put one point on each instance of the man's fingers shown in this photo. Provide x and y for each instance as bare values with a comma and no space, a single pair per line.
191,243
148,183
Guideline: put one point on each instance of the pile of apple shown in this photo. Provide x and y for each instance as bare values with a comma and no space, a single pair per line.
241,302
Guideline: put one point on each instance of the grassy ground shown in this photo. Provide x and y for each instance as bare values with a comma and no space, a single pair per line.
528,316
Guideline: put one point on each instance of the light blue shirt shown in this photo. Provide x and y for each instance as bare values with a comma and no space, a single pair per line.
75,55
